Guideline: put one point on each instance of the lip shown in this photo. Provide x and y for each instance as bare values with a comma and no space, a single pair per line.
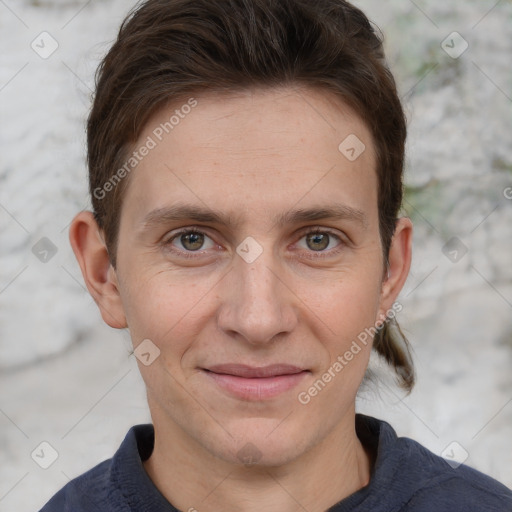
249,372
255,383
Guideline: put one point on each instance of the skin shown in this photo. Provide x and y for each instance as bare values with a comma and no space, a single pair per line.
250,155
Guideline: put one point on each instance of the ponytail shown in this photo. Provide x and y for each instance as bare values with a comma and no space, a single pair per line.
391,343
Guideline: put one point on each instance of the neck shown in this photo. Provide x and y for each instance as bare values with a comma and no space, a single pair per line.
191,478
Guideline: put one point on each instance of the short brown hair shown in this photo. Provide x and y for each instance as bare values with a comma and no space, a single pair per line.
167,50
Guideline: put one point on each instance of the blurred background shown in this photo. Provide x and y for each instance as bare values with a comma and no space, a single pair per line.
68,381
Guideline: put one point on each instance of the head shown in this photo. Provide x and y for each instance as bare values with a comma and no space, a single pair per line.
244,119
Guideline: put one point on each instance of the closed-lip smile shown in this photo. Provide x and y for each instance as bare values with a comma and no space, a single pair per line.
255,383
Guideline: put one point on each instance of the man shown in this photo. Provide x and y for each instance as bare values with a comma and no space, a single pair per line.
245,163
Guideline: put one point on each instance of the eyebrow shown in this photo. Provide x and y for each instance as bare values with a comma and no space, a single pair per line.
180,212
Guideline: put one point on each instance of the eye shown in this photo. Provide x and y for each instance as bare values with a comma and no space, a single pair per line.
318,240
189,241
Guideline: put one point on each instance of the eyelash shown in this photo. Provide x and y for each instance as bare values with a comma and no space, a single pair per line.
313,254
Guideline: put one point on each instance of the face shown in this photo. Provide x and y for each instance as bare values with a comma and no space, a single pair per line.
247,237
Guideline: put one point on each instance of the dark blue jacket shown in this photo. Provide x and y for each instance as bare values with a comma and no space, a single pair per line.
406,478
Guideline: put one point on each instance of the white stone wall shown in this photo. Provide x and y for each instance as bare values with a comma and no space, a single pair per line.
61,369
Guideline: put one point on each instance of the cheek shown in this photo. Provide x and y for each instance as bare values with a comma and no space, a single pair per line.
359,304
164,307
350,312
344,305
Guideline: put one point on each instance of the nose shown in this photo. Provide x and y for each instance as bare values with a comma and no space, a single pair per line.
256,303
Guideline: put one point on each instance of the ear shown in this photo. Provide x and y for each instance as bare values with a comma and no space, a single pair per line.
399,263
100,277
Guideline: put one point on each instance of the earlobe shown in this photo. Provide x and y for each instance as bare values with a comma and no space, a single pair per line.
100,278
399,263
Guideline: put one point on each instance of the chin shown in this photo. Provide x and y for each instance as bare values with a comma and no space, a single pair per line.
261,442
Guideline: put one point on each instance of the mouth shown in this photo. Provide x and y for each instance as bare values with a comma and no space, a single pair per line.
255,383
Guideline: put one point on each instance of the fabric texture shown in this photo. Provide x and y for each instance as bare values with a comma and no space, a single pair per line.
406,477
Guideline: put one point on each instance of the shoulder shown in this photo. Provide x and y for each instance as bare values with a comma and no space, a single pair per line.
89,491
408,477
437,485
101,488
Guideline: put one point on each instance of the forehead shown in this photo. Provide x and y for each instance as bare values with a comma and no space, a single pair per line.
259,151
